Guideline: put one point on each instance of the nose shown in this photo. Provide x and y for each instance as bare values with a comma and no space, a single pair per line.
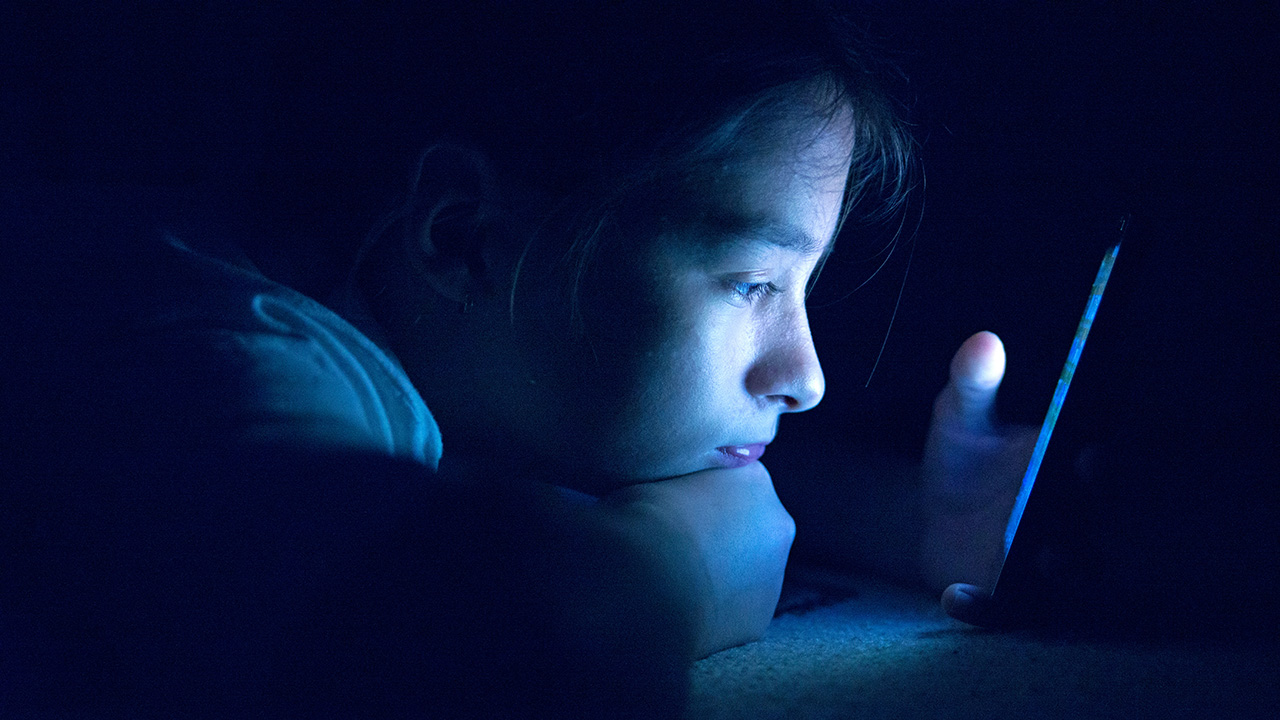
786,371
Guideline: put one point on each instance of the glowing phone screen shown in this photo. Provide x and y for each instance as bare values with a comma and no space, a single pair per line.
1064,383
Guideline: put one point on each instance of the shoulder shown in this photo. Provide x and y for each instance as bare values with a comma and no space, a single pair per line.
195,348
307,375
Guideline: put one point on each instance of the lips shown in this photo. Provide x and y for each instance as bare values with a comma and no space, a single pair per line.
740,455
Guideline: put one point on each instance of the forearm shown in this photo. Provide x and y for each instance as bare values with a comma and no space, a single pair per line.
340,581
520,599
725,539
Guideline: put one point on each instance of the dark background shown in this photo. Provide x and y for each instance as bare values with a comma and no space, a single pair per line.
1039,124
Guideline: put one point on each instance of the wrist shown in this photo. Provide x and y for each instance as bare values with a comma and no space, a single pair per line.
674,560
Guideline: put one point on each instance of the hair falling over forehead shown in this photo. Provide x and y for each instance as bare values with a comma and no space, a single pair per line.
882,171
587,108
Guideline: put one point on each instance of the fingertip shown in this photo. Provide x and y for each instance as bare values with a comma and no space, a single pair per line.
967,603
956,595
980,362
987,339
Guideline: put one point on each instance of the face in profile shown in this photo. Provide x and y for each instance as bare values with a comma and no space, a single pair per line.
696,338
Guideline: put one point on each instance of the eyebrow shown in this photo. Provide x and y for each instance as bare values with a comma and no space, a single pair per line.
779,234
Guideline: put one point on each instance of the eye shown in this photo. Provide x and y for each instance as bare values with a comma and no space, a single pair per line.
752,291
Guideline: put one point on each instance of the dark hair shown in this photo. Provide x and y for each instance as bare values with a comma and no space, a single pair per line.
580,100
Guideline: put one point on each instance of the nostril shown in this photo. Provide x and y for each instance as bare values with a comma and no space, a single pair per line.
788,403
787,374
794,386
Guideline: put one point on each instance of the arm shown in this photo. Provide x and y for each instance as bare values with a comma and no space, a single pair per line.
300,580
504,595
730,533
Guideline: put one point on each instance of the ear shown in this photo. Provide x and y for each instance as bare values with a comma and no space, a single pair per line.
451,223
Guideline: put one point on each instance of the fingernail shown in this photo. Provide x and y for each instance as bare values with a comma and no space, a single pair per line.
960,602
962,599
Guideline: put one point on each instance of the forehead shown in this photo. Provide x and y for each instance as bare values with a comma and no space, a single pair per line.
781,179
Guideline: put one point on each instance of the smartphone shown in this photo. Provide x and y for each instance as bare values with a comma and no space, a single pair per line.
1013,573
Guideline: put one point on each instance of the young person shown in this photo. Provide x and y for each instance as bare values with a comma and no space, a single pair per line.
512,463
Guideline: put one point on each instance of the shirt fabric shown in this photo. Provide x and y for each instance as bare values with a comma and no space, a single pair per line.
260,363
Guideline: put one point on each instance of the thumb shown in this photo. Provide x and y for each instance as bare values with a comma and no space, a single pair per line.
976,371
969,604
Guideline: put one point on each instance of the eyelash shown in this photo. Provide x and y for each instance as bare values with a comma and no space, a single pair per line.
751,292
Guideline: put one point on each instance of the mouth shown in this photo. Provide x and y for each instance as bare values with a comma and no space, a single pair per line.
739,455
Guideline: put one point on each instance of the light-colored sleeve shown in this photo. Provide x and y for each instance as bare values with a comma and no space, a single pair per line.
262,364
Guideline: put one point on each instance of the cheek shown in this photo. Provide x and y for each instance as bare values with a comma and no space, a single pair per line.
640,344
630,312
659,337
699,350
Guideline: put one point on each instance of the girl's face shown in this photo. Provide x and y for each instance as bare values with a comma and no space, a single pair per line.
696,334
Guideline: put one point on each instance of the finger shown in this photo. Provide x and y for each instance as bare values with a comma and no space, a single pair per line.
976,371
968,603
